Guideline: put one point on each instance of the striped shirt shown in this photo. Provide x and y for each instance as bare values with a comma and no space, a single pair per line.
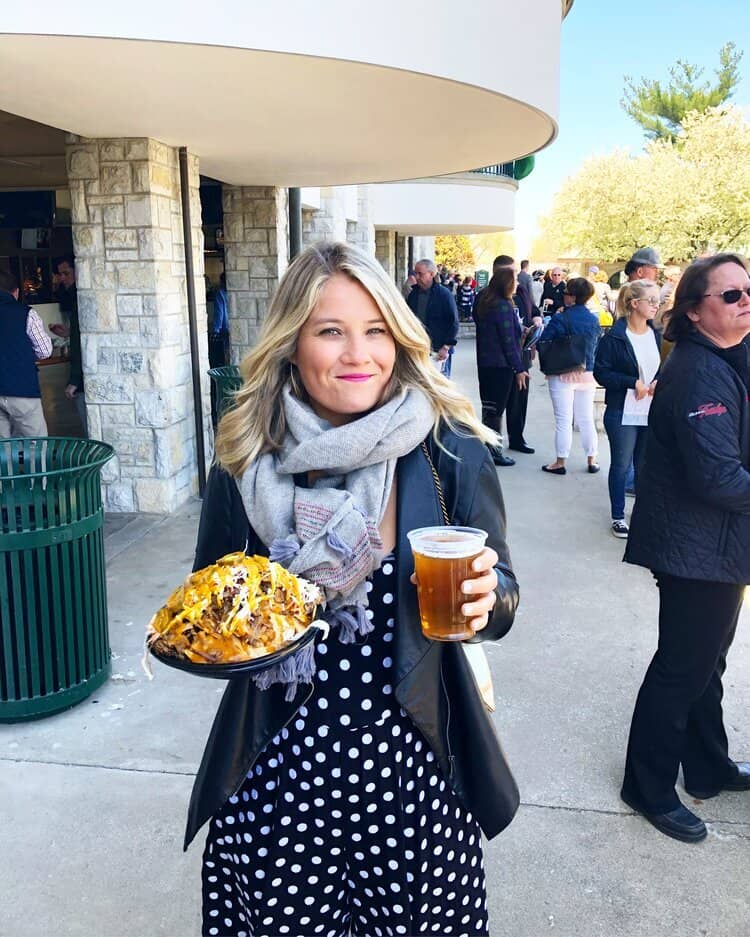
40,341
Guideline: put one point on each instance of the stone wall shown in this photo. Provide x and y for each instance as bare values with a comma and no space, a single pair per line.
132,303
385,252
361,232
402,258
327,223
256,253
424,248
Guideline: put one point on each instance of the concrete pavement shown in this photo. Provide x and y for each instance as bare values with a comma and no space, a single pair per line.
93,801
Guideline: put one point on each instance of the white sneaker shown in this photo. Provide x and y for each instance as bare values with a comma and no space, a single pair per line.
620,530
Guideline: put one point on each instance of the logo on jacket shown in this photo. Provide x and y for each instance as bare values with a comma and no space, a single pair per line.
708,409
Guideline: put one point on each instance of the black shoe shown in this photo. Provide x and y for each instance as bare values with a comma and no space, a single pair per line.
679,823
740,781
593,469
557,471
527,450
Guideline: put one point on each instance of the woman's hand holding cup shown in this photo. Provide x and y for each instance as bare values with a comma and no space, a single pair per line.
481,590
455,579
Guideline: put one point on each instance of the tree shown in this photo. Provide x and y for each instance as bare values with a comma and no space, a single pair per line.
454,250
660,109
487,247
684,196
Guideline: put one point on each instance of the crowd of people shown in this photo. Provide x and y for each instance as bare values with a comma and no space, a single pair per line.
678,438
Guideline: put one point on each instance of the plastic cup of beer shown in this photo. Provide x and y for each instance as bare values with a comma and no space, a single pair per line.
442,561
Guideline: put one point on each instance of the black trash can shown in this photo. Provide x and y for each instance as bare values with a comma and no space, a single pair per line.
227,381
54,639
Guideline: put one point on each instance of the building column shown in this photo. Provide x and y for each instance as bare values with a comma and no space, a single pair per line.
132,306
424,248
256,253
361,232
385,252
327,223
402,259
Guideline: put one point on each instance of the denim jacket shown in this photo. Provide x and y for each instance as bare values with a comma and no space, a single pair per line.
578,320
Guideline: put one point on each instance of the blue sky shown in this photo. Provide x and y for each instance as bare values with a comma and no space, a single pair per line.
604,40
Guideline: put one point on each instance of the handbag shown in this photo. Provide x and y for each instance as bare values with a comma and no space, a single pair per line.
475,653
564,353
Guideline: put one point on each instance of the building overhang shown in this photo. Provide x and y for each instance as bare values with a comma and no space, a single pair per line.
464,203
290,93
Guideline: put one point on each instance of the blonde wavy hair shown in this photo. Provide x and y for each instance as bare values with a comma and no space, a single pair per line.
637,289
256,424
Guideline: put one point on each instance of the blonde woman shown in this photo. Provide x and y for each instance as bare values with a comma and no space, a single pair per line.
347,791
628,358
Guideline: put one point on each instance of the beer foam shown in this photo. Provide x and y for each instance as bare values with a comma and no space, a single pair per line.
447,542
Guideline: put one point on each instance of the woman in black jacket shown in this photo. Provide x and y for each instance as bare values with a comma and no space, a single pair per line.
627,360
691,527
499,357
333,802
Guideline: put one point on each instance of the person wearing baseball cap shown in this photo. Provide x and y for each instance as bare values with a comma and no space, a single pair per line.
643,265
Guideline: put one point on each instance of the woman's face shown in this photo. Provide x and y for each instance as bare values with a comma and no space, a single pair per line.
647,305
345,352
726,324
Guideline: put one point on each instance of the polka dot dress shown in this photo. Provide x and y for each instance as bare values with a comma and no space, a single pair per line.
345,824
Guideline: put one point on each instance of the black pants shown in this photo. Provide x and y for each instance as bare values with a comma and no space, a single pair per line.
678,716
495,387
515,415
218,349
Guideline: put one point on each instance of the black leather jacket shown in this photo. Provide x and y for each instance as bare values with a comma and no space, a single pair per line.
433,682
615,365
692,514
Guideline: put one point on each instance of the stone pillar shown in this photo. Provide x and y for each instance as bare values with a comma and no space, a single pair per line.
327,223
402,258
385,252
361,232
132,305
424,248
256,253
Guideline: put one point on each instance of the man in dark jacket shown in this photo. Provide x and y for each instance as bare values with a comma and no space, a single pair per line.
435,307
553,295
22,343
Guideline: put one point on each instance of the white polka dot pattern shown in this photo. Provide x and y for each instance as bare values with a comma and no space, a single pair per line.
345,824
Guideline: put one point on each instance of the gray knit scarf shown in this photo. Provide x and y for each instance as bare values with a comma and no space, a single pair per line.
328,533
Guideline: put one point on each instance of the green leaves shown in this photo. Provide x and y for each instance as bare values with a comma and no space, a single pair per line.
685,194
660,109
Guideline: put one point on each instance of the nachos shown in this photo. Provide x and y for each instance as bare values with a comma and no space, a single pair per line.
240,608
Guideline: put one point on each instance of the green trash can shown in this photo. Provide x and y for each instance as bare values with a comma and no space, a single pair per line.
227,380
54,641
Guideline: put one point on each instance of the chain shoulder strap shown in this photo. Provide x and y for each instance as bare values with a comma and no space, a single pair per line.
436,480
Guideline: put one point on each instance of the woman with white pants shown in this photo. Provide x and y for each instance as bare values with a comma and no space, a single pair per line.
572,394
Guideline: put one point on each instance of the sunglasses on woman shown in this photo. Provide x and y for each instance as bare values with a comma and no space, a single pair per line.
731,297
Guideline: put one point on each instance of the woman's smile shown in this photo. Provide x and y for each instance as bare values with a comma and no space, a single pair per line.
356,378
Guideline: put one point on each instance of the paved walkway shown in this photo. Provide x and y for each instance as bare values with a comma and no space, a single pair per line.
92,802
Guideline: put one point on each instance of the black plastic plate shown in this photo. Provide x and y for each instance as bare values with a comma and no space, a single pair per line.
242,668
